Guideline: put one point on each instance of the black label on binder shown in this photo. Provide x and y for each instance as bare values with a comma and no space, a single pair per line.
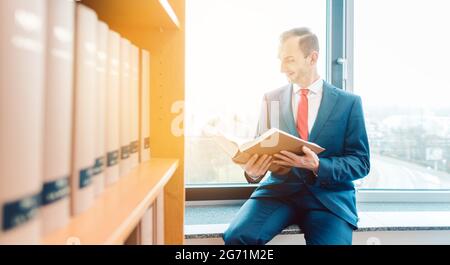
147,143
134,147
85,177
55,190
18,212
98,167
125,152
113,158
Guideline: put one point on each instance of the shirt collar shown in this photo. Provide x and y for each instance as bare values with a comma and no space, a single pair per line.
315,87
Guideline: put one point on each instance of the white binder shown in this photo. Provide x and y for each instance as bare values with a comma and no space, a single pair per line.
112,109
58,115
134,96
102,64
22,64
145,106
125,83
85,109
147,227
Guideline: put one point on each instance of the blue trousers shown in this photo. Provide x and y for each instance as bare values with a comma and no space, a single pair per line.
261,219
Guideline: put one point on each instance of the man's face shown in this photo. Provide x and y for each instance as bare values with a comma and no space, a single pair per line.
293,62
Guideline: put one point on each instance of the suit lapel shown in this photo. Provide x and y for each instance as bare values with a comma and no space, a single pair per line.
329,99
286,110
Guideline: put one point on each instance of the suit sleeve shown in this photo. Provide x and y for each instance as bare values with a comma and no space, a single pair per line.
354,163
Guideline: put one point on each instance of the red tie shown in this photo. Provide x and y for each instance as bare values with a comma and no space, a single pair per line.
302,114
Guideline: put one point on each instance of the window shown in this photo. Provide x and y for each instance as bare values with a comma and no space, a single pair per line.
231,57
400,70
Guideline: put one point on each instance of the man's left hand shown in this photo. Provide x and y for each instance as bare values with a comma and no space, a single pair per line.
308,161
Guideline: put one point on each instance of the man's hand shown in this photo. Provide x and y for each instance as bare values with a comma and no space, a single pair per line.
257,166
279,170
308,161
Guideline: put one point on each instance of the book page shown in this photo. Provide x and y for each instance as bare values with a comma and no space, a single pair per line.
275,140
229,146
267,139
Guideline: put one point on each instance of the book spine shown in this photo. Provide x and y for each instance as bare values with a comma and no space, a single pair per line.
125,49
102,63
85,109
58,115
134,92
145,106
22,64
147,226
112,109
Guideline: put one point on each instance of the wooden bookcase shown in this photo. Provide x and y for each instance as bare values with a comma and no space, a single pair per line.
116,214
118,211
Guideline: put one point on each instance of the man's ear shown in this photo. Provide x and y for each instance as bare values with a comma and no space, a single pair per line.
314,57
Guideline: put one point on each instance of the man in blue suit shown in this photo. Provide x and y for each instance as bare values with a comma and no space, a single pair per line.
314,191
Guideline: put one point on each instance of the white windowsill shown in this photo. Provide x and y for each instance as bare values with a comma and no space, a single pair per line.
369,221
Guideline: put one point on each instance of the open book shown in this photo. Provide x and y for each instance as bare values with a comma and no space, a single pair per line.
271,142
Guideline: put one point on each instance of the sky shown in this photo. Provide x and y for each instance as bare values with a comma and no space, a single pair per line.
402,52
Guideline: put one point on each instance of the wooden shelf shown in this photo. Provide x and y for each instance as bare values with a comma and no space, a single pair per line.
147,24
136,13
118,210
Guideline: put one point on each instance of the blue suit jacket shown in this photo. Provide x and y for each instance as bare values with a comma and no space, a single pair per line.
340,129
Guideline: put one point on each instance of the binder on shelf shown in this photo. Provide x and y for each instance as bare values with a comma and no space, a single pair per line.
102,63
145,107
85,118
125,83
159,219
134,118
147,227
112,141
58,115
22,64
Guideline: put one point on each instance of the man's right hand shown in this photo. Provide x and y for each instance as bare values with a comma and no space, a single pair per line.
257,166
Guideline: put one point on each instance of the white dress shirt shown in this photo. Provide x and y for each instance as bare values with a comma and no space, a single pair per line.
314,99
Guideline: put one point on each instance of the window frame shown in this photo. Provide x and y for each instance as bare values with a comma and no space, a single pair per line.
339,72
239,192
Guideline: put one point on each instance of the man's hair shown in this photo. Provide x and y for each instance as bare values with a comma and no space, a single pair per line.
308,41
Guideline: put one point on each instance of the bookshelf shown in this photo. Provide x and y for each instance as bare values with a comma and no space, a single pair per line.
158,27
148,25
118,211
